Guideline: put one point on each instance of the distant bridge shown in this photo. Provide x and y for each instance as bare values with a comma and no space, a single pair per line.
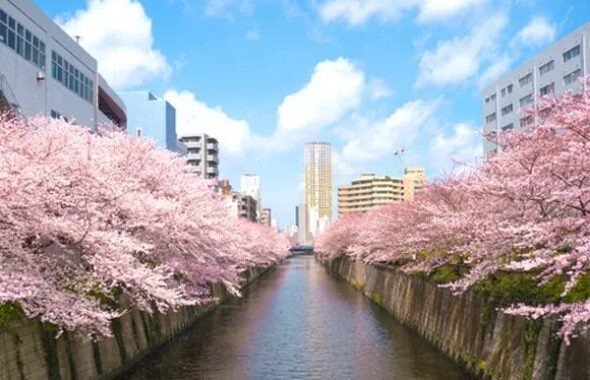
301,250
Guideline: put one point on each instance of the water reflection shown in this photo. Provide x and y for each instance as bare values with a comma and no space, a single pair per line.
297,322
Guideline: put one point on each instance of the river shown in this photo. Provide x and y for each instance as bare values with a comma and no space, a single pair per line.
298,322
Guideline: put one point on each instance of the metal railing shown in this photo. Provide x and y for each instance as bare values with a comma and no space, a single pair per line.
8,99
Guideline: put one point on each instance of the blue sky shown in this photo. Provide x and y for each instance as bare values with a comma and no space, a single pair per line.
369,76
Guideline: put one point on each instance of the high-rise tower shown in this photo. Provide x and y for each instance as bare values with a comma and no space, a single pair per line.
318,178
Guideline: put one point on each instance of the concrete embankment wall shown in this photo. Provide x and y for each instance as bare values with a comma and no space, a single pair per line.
486,342
29,349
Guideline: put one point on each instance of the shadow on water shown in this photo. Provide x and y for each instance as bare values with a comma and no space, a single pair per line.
298,322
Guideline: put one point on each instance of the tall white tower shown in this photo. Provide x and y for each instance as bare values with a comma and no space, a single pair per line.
318,178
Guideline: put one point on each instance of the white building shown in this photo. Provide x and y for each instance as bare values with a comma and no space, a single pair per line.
202,155
303,235
250,185
43,71
550,72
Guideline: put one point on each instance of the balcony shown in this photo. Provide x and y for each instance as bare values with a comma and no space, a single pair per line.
214,146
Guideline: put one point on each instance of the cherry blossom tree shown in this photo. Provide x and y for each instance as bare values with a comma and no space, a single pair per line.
87,220
524,209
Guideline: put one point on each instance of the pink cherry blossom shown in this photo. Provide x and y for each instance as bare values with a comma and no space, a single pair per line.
526,208
85,218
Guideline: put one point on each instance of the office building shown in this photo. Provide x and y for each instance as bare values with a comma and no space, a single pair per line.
551,72
250,185
43,71
371,191
202,155
318,178
151,117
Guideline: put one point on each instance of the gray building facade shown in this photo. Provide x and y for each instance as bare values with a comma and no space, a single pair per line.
202,155
43,71
551,72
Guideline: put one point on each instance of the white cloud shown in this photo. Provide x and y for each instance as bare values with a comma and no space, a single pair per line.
462,145
539,31
335,88
378,89
357,12
374,140
118,33
193,117
460,58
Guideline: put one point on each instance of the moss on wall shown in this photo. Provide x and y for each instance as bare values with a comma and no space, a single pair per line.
506,347
48,334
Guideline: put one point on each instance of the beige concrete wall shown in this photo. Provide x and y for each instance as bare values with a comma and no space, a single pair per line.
493,345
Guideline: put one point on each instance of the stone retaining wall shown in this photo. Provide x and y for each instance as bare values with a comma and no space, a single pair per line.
490,345
30,351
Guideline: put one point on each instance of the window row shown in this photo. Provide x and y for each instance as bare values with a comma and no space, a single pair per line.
571,53
491,98
526,100
547,67
22,40
572,77
506,90
68,75
506,110
525,79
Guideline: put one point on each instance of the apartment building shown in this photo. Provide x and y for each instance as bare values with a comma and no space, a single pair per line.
551,72
202,155
43,71
371,191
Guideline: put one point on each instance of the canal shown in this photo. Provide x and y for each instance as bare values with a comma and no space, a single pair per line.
298,322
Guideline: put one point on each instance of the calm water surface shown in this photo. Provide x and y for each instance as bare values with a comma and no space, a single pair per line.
298,322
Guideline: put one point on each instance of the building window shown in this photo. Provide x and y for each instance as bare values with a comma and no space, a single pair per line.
547,89
491,118
506,110
547,67
65,73
508,127
22,41
571,53
572,77
503,92
526,79
509,88
526,100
